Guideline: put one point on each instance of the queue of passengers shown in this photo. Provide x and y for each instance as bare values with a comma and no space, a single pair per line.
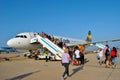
75,54
109,57
53,39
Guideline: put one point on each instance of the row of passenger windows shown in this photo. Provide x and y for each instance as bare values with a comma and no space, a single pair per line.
21,36
66,41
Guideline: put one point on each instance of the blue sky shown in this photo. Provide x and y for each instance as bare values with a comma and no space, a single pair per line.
70,18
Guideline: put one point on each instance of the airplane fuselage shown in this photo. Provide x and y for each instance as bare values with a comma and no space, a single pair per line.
22,41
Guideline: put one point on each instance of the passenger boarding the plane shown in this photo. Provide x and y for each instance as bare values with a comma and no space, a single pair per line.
114,57
107,56
82,56
65,62
64,46
36,55
52,38
70,52
100,56
77,54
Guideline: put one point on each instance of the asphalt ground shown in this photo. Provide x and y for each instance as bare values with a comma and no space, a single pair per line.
21,68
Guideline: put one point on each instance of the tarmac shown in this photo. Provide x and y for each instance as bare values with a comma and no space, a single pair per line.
22,68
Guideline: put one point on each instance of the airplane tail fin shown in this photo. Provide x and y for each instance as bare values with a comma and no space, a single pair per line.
89,37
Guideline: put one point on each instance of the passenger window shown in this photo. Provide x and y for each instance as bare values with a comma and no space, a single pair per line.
16,36
34,34
66,41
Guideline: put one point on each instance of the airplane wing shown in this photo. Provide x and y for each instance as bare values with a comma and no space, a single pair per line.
101,42
106,41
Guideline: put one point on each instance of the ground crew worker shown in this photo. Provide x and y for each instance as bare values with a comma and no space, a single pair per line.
46,56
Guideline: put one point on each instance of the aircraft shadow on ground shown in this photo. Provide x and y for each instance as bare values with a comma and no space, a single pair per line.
22,76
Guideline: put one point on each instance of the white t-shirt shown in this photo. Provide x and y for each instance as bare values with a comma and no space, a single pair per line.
77,53
100,54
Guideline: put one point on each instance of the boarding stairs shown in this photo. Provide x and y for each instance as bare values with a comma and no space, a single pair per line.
53,48
100,45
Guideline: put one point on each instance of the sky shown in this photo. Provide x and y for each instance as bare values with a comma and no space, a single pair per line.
69,18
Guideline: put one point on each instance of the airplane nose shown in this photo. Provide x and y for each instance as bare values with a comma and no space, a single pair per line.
10,43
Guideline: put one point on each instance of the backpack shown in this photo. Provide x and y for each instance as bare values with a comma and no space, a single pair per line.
113,53
107,53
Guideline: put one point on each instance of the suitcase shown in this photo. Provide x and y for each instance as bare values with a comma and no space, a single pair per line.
75,62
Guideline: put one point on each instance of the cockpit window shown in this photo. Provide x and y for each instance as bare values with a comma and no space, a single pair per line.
21,36
16,36
25,36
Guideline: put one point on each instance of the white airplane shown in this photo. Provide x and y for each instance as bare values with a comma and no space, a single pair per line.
32,41
23,41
